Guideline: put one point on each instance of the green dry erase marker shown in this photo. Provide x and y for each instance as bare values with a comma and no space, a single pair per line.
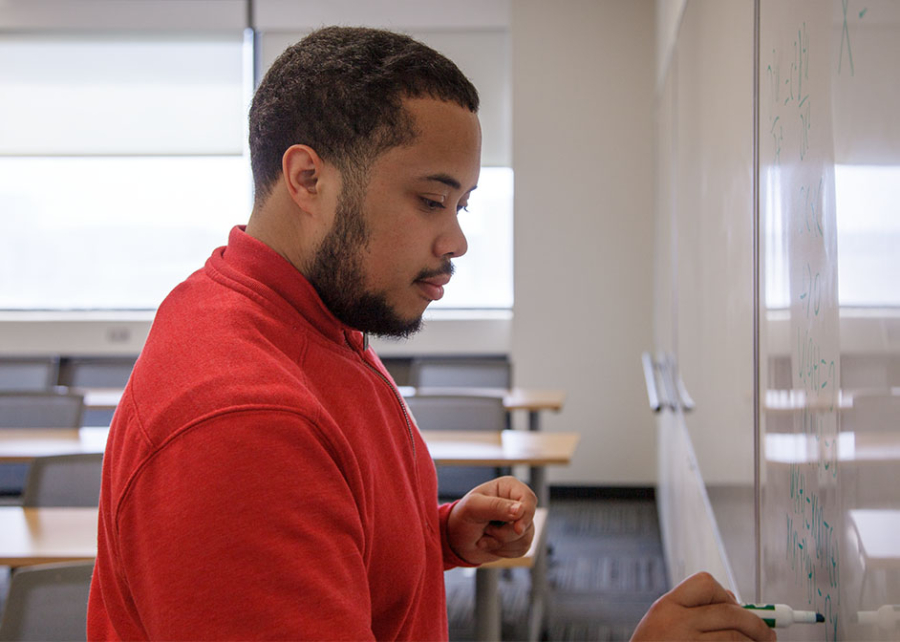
781,615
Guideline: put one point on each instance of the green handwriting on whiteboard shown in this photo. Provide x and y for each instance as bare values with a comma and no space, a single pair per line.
845,37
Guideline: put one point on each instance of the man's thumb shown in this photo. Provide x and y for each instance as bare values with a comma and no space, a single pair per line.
482,508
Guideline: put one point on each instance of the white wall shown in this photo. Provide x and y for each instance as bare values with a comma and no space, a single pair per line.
668,18
583,77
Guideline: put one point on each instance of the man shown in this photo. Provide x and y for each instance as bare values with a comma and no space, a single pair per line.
263,476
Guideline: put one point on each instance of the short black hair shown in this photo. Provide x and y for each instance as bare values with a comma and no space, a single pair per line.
340,91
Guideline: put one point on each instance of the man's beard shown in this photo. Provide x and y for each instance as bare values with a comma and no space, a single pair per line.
337,275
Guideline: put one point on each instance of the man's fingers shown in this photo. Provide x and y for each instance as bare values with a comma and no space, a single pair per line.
509,532
700,589
505,542
484,509
724,636
508,487
514,489
701,609
718,618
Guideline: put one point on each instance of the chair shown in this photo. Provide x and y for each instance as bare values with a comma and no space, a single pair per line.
458,412
873,411
107,372
47,602
64,480
428,372
28,374
51,409
34,410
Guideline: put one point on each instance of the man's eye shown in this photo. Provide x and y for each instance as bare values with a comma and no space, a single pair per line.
432,204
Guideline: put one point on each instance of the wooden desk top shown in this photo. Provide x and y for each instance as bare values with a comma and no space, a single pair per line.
852,447
447,447
514,399
877,531
45,535
527,560
503,448
101,398
21,445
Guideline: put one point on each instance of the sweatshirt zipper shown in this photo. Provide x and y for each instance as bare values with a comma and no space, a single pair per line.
399,399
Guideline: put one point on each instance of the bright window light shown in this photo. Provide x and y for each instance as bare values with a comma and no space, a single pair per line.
112,232
868,222
868,238
484,276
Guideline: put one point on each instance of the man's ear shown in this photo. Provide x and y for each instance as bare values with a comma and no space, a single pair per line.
303,172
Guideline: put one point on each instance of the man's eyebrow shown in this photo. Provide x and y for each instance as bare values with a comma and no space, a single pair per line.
446,179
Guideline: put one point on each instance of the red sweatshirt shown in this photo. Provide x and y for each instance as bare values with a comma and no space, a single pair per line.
263,478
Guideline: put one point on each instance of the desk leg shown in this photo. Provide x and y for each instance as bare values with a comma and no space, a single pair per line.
487,604
538,478
538,594
539,570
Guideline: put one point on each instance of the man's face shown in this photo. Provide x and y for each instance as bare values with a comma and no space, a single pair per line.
387,255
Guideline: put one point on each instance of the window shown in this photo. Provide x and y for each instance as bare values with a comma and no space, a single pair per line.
112,232
868,238
483,277
123,164
868,235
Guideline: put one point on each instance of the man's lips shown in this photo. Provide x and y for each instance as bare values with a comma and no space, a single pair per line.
433,286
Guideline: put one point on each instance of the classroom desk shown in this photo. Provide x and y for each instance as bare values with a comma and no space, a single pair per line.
100,398
46,535
506,448
876,530
534,401
21,445
447,448
31,536
792,400
487,586
852,447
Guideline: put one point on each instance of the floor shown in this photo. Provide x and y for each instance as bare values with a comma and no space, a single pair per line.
606,569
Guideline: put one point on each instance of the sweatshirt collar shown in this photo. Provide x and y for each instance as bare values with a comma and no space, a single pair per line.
274,277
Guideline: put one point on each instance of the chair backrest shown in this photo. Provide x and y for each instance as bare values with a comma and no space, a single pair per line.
461,373
873,412
446,412
28,374
457,412
107,372
40,409
47,602
64,480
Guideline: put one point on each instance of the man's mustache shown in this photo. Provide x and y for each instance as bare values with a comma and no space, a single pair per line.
446,269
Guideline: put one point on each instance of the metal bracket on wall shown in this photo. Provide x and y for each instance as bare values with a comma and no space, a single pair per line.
665,388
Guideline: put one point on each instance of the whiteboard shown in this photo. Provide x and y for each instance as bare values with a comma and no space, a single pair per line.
712,76
830,467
